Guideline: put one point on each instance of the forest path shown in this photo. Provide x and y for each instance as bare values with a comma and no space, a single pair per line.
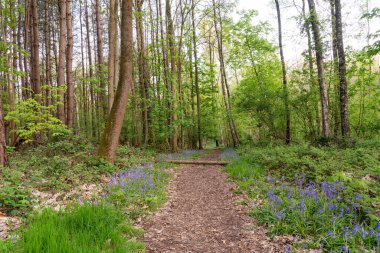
203,215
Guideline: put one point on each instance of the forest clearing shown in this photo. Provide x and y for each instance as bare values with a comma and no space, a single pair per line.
189,126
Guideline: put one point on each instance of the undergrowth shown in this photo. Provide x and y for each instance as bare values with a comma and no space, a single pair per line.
325,197
59,166
136,187
87,228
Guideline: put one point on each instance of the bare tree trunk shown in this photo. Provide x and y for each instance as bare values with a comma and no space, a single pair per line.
49,78
225,90
111,134
143,70
314,89
196,78
83,83
173,77
284,79
69,66
3,153
342,71
35,59
112,55
92,97
99,36
335,105
320,67
62,59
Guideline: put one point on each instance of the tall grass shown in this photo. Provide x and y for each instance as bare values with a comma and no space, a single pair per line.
87,228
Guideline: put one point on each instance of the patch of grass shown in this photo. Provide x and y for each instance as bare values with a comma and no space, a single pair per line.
326,196
87,228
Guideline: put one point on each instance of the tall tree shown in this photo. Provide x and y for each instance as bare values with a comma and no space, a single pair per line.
342,71
111,134
3,153
196,77
35,55
112,55
49,77
225,90
335,74
99,41
143,69
69,67
321,74
173,76
284,78
62,58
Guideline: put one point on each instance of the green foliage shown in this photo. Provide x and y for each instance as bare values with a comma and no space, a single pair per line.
14,194
325,196
35,120
80,228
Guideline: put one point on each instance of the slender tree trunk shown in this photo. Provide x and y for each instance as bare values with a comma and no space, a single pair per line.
225,89
173,77
3,153
62,58
49,78
321,74
91,72
83,97
35,59
99,36
112,55
69,66
314,86
196,78
342,71
336,69
111,134
143,70
284,79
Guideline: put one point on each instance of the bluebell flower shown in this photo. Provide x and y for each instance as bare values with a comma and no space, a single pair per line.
377,225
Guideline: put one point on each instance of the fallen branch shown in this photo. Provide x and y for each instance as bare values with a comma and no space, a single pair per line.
197,162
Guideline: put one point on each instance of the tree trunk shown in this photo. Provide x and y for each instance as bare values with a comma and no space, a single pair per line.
284,79
335,105
69,66
91,72
143,70
321,75
173,76
99,35
112,55
342,72
49,78
62,59
196,78
225,90
35,59
3,153
111,134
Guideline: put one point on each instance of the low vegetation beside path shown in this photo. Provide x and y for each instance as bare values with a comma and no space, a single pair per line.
65,200
324,197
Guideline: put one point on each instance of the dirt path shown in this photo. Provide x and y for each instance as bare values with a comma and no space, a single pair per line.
203,215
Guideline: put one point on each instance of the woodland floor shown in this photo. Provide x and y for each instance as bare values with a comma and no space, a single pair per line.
203,214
